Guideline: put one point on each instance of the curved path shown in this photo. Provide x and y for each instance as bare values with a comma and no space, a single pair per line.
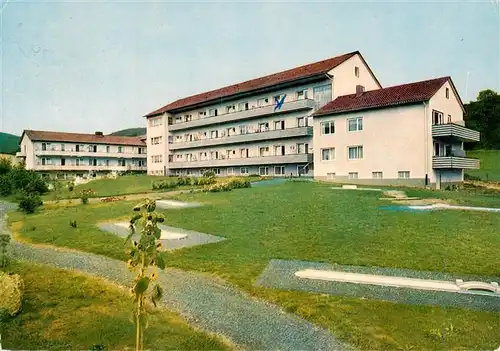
204,301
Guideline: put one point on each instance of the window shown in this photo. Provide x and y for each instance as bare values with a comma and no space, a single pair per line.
377,175
355,124
244,170
302,94
322,95
447,93
178,119
121,163
216,171
188,118
214,134
263,171
264,151
212,112
301,122
44,147
356,71
279,150
262,102
231,153
154,122
404,174
214,155
355,152
330,176
107,162
449,119
279,125
243,106
230,108
202,114
327,127
63,147
328,154
156,140
263,127
437,117
302,148
279,170
243,153
230,171
63,161
353,175
158,158
243,129
107,148
120,149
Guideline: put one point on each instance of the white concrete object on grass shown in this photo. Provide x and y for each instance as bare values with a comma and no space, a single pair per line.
453,207
165,235
175,204
400,282
354,187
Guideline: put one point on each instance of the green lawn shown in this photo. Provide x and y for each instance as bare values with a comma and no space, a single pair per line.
309,221
490,164
63,310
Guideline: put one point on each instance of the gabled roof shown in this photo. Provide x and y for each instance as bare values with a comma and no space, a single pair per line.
40,135
306,71
391,96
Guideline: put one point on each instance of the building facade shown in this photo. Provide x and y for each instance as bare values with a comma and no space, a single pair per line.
411,134
262,126
74,154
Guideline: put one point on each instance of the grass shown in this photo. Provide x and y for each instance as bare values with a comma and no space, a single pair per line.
63,310
309,221
490,164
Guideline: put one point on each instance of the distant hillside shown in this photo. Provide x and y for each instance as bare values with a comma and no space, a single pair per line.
490,164
130,132
9,143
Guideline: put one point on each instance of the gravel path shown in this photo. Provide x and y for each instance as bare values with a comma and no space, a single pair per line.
204,301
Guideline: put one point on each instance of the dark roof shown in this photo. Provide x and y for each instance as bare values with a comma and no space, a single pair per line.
391,96
290,75
40,135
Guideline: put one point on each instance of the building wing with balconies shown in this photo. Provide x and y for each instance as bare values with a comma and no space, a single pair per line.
76,153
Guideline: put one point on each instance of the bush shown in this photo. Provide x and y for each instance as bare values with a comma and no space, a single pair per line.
471,177
85,194
4,241
29,202
71,186
208,174
11,291
218,187
165,184
72,224
239,183
5,165
6,186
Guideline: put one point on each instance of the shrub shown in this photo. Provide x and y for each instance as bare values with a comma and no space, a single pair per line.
72,224
71,186
471,177
5,165
4,241
29,202
218,187
165,184
239,183
85,194
11,290
208,174
6,186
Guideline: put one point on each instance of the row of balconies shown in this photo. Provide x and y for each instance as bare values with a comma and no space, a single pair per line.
88,168
72,153
297,105
245,161
245,138
455,131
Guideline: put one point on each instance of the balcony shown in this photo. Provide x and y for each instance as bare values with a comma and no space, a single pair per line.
73,153
454,162
297,105
245,138
20,154
249,161
455,131
86,168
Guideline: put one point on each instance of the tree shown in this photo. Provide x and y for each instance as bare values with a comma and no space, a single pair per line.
483,115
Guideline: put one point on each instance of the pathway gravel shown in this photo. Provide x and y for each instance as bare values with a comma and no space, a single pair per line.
206,302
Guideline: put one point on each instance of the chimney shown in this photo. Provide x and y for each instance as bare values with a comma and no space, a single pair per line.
99,134
359,90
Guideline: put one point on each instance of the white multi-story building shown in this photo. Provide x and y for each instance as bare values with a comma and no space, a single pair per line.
81,154
411,134
262,126
330,119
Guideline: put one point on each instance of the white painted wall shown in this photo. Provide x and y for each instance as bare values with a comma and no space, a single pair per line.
159,149
392,140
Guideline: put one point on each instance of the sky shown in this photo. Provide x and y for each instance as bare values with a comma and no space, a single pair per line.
101,66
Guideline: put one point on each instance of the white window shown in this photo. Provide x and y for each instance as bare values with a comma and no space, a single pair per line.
355,152
404,174
230,108
120,149
216,171
328,154
356,71
263,127
188,118
178,119
353,175
244,170
230,171
302,148
243,106
214,155
355,124
264,151
437,117
327,127
277,98
158,158
214,134
154,122
330,176
243,153
301,122
263,171
262,102
449,119
447,93
377,175
279,150
322,95
279,125
156,140
212,112
279,170
63,147
302,94
202,114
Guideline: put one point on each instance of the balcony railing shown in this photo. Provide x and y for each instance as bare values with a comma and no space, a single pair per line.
454,162
88,168
73,153
297,105
244,138
456,131
246,161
